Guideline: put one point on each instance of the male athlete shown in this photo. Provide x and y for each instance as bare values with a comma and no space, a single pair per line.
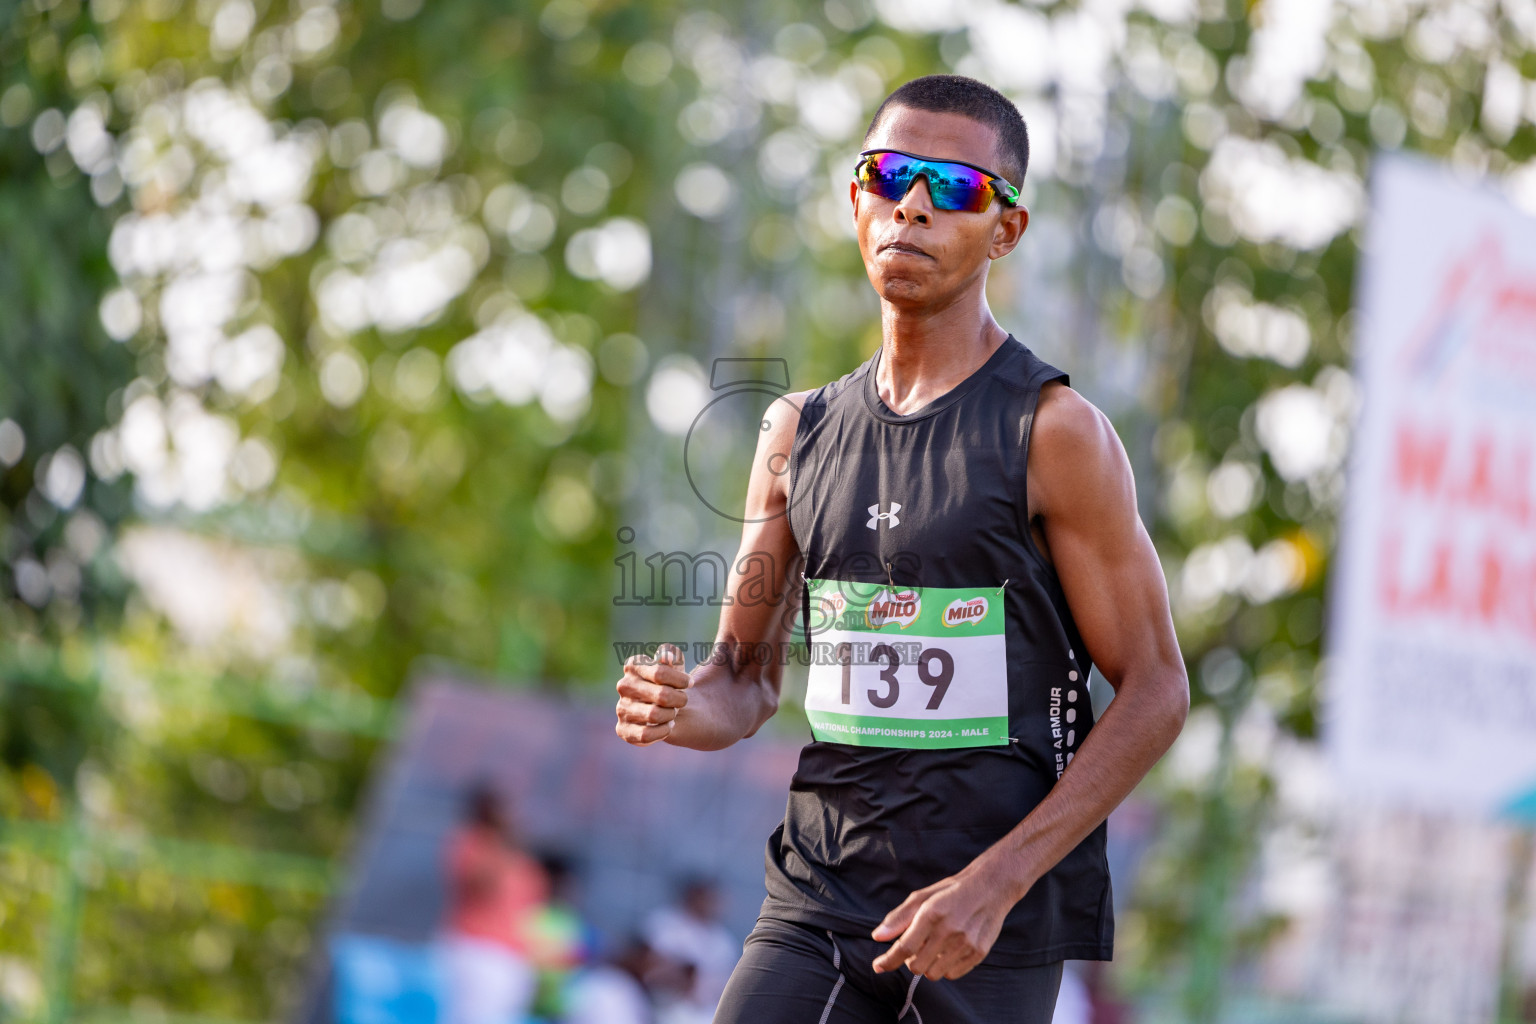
970,547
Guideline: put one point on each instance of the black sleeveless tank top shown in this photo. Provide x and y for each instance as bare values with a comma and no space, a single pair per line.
939,495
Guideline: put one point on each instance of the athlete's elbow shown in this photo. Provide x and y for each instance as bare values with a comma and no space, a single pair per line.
767,707
1173,703
770,705
1160,696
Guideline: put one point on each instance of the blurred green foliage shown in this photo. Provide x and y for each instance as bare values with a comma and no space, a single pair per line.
339,317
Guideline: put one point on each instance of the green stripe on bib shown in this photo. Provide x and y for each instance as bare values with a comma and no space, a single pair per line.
924,611
867,731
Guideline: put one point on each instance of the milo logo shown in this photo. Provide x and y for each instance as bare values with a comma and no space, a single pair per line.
832,606
900,607
961,612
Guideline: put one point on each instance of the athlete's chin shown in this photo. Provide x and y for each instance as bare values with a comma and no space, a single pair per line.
905,288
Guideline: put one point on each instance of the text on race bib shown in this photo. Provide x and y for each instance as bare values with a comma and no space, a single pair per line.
913,667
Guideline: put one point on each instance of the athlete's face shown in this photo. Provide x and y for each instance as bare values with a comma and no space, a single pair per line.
918,256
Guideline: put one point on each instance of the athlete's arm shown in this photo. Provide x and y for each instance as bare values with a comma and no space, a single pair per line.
730,696
1081,490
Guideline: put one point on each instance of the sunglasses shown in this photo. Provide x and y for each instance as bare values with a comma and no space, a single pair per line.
890,174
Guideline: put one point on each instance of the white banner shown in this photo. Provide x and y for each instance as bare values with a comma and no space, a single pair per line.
1433,679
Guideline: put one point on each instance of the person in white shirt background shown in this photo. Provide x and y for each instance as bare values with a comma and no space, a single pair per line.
690,932
615,992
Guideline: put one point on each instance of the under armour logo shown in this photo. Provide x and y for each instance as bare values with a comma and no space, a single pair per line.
875,515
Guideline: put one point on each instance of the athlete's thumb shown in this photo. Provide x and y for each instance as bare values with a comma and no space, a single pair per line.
670,654
898,920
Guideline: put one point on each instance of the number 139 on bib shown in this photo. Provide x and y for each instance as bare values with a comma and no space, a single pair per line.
920,668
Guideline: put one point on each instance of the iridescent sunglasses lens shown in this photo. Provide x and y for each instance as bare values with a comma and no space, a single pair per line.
952,186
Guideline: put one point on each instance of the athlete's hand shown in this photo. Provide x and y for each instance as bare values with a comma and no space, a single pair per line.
944,930
651,693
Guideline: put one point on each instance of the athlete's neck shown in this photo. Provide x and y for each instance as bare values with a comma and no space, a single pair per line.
926,352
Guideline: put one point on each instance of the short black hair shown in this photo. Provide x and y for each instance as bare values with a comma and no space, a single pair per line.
957,94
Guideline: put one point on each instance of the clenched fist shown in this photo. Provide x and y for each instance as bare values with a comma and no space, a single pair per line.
651,693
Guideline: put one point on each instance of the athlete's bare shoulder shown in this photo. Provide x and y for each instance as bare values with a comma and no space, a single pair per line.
1074,453
770,468
1064,417
782,418
793,399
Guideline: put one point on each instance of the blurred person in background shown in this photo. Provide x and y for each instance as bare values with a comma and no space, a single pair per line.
494,889
938,860
616,992
672,983
691,932
561,940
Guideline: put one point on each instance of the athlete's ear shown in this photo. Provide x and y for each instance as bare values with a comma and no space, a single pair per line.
853,197
1010,228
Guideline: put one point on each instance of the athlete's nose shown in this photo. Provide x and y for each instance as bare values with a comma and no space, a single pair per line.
916,207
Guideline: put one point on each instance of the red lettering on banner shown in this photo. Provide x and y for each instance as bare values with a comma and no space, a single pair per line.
1420,460
1479,472
1481,584
1437,595
1479,487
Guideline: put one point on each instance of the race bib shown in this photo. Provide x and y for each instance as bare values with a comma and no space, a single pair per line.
918,667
